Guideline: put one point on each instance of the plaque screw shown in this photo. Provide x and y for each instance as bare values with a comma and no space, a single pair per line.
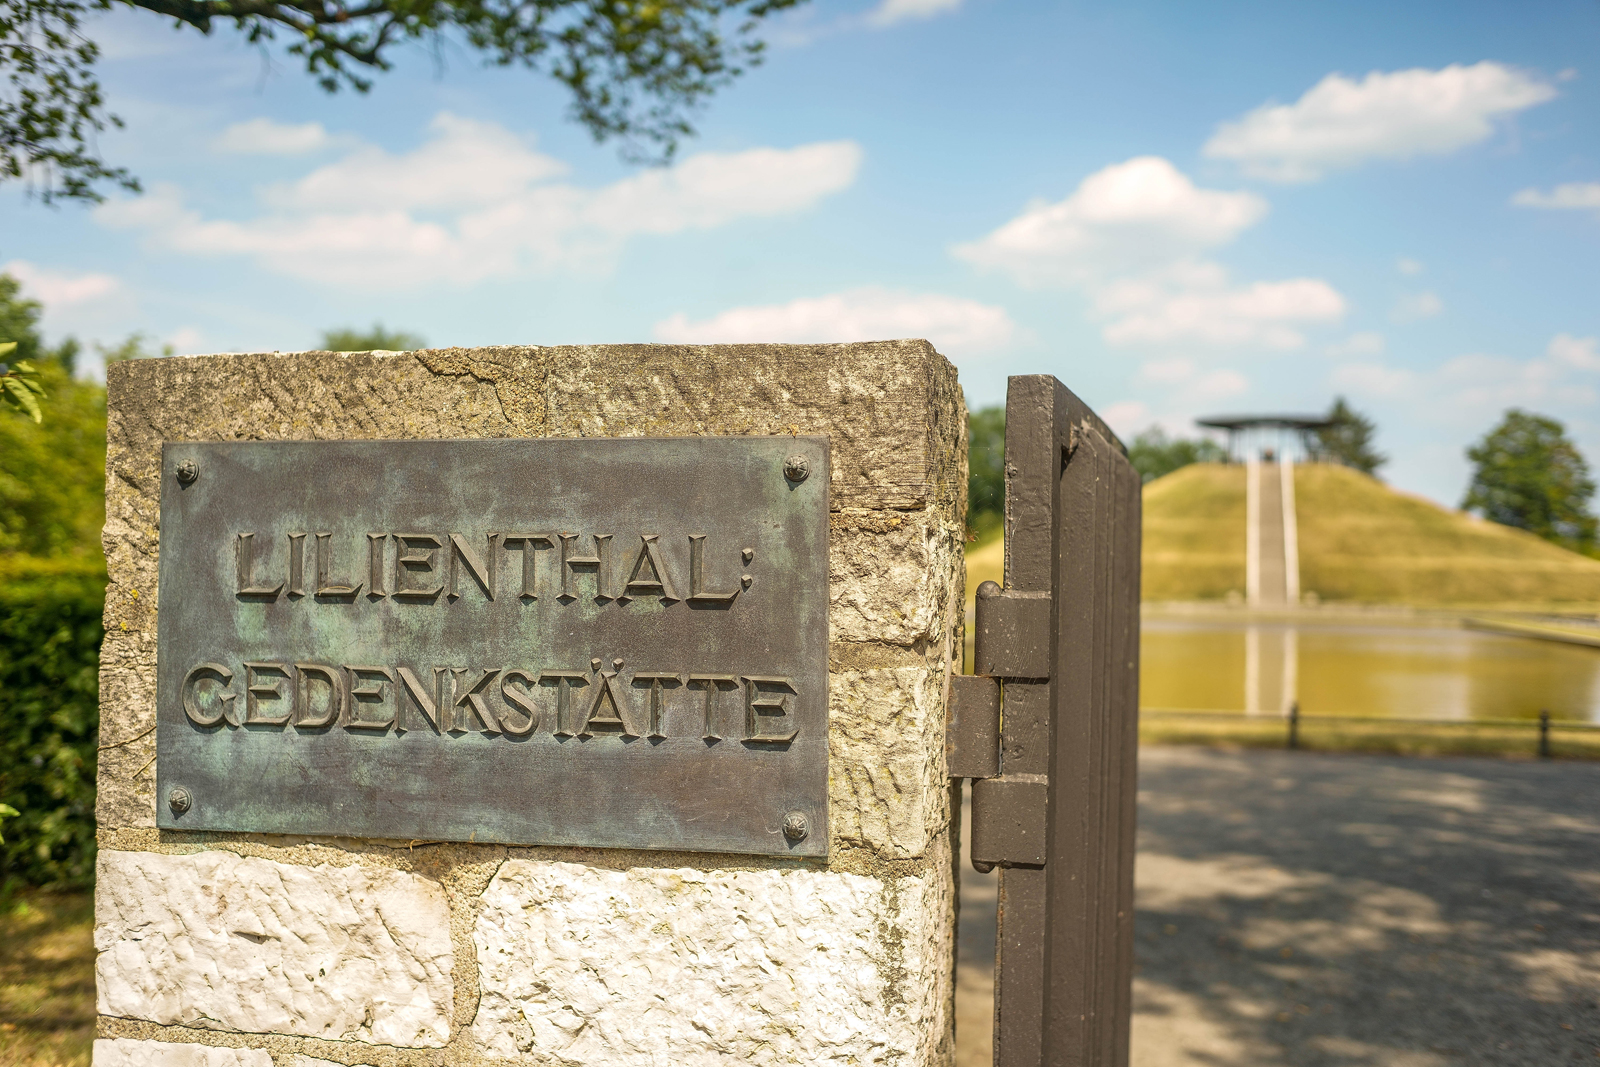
188,471
179,800
797,468
795,826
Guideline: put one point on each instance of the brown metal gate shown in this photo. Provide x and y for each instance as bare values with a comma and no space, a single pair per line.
1047,727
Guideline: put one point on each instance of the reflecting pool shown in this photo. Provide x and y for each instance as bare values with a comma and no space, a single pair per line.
1401,667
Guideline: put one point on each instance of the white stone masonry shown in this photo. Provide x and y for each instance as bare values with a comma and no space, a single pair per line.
214,940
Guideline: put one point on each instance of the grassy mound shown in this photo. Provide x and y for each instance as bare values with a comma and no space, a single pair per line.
1360,541
1194,533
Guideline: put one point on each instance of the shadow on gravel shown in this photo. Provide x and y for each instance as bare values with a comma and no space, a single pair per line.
1334,911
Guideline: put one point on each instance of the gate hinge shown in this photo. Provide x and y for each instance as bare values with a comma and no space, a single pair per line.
1011,633
972,733
1008,821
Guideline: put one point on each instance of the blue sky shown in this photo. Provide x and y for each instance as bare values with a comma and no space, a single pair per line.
1178,209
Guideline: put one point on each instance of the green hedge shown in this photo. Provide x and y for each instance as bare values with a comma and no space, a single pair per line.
50,631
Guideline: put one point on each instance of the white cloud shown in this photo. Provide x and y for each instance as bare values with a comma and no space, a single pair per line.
1572,196
1582,353
712,188
1189,392
1218,385
1358,344
1130,236
1127,417
188,340
1341,122
476,201
467,164
1470,388
1407,266
890,12
955,325
1197,304
55,289
1415,306
1167,371
1372,379
264,137
1128,216
1480,384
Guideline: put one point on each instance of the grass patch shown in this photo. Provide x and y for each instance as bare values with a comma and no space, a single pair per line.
47,1009
1399,738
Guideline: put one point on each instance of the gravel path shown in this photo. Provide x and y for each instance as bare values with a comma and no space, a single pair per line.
1299,910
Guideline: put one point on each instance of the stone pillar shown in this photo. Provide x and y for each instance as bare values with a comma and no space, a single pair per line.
250,949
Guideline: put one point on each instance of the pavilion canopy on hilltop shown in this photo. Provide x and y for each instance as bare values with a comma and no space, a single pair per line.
1256,434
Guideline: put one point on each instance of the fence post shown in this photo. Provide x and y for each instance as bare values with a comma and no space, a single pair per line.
1294,725
1544,735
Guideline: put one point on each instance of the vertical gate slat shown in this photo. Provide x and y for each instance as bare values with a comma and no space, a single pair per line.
1125,702
1030,567
1074,793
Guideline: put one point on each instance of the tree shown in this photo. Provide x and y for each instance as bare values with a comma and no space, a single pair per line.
1348,440
1154,455
52,475
132,347
19,323
635,69
21,386
986,470
1527,474
376,339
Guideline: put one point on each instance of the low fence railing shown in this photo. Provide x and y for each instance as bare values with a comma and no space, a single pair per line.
1540,729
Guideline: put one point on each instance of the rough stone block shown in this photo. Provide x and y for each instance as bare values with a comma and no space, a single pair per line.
214,940
890,408
889,580
126,1052
887,790
126,794
650,966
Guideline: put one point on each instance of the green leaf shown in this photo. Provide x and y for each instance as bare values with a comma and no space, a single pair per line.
24,367
6,347
6,812
20,395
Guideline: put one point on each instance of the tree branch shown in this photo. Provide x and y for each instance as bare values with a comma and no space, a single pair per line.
636,69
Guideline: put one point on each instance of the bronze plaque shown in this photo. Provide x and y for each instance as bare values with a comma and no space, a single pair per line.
606,642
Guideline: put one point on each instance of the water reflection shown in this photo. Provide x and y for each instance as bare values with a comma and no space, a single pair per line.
1402,669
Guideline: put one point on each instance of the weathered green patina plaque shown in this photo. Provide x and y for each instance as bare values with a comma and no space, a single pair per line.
606,642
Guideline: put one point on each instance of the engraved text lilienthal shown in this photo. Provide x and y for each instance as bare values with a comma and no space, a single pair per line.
588,642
